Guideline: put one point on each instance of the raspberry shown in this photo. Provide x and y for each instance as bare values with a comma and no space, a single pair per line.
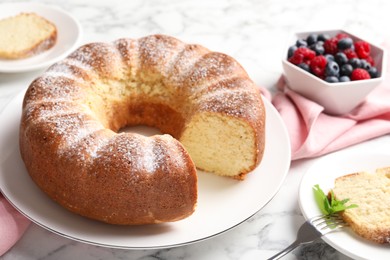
340,36
318,65
330,46
370,60
350,54
359,74
302,55
362,49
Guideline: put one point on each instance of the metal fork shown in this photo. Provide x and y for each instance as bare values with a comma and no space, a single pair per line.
313,229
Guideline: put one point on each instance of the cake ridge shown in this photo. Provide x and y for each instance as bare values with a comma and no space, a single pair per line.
74,112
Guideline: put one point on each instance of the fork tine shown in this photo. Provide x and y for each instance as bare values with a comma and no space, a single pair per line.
326,223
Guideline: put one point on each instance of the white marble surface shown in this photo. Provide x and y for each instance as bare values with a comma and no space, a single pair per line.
255,33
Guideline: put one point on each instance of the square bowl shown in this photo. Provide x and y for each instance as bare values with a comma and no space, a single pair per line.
336,98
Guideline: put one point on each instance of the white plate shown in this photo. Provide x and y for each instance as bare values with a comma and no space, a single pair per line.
324,172
223,203
68,36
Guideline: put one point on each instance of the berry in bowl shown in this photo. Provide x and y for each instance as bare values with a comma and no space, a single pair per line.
333,68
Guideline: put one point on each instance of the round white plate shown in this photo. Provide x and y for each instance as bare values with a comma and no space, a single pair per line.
324,172
223,203
68,36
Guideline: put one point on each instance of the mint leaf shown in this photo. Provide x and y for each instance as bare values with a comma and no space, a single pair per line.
330,205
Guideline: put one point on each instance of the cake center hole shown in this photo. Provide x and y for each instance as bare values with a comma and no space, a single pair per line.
141,129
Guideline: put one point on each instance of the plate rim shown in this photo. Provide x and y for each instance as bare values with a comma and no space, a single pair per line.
270,110
45,62
331,237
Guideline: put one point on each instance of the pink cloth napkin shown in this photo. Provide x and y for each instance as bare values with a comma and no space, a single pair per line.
314,133
12,225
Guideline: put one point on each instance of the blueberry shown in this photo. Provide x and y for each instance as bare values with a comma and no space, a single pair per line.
304,66
373,72
331,79
311,39
329,57
341,58
345,43
355,62
301,42
318,48
323,37
346,70
365,64
332,69
344,79
291,51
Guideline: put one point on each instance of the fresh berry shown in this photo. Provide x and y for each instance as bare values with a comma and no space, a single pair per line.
318,65
302,55
345,43
355,62
362,49
341,58
318,48
344,79
334,59
332,69
312,39
373,72
365,64
330,46
331,79
329,57
346,70
370,60
341,36
291,51
304,66
323,37
359,74
301,43
350,53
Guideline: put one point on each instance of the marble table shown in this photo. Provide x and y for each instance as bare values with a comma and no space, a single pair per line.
256,34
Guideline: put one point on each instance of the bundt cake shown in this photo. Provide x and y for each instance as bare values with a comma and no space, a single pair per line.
72,146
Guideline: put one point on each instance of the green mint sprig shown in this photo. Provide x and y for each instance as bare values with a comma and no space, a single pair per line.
330,205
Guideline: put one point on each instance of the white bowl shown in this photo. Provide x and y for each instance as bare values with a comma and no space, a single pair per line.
336,98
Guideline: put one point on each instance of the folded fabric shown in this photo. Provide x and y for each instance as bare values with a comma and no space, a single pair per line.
313,132
12,225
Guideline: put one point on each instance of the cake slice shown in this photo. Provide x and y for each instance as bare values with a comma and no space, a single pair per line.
371,192
25,35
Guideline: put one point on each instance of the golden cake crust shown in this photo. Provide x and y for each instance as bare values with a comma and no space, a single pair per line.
72,114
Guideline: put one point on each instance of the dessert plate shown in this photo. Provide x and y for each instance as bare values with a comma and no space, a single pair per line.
223,203
324,172
68,36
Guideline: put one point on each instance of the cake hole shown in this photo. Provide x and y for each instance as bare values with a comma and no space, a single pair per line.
141,129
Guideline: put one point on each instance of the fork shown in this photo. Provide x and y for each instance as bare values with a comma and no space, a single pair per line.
313,229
